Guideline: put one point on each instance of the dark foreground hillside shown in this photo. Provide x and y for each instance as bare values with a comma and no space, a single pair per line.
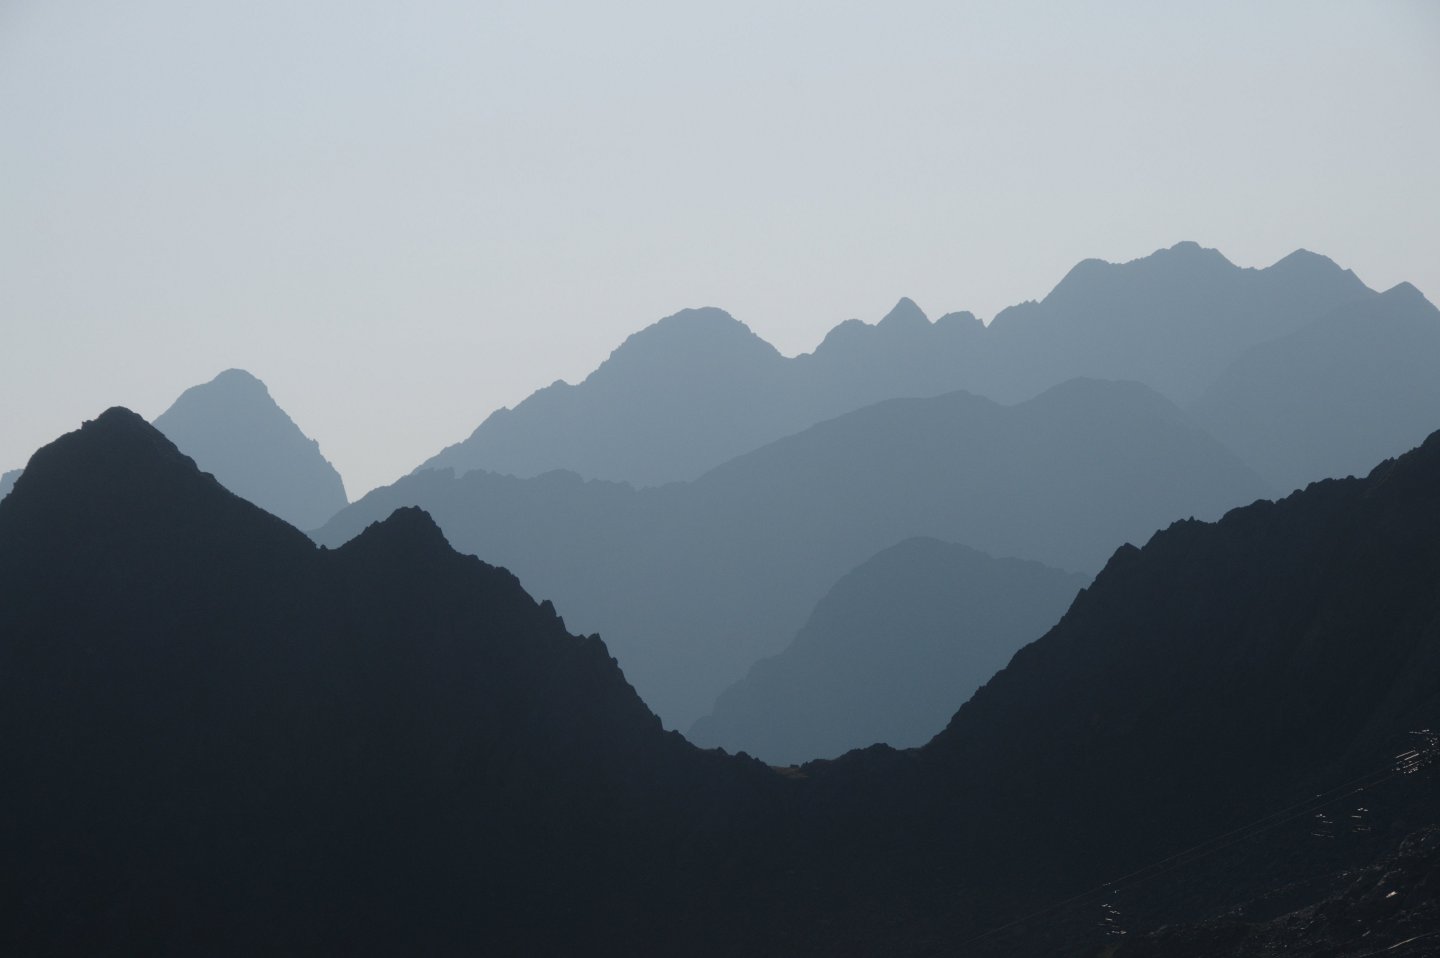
220,739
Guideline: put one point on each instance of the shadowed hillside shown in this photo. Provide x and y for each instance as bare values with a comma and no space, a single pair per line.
220,739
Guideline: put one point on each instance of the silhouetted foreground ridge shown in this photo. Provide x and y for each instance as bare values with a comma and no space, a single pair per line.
218,738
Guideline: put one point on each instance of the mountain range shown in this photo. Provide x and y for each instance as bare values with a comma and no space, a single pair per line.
693,582
220,738
699,388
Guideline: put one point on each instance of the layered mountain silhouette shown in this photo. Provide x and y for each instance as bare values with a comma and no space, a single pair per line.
693,582
218,738
888,652
221,739
699,388
1335,396
232,428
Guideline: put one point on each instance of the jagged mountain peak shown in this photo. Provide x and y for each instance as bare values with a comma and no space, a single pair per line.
407,530
905,315
116,438
234,429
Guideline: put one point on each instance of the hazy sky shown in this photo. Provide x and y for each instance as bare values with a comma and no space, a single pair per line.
402,215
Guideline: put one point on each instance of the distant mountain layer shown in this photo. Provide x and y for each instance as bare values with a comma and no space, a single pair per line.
232,428
693,582
1329,399
7,481
218,739
888,652
699,388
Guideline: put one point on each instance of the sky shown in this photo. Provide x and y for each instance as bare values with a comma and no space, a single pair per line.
402,216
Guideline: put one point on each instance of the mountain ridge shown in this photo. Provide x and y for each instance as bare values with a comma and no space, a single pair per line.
221,738
1173,320
695,581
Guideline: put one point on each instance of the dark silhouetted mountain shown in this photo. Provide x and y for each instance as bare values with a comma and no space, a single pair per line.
7,481
699,388
219,739
1335,396
888,652
693,582
232,428
1220,673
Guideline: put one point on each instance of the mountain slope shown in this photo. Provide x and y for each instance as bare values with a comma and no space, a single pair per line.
888,652
673,400
693,582
232,428
220,739
7,481
1334,397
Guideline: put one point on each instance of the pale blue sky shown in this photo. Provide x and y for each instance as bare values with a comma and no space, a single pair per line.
402,215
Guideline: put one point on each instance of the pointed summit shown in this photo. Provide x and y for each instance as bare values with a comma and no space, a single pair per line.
408,531
234,429
676,398
905,315
117,478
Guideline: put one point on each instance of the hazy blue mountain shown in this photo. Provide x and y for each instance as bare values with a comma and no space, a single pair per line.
1173,320
218,739
1329,399
888,652
7,481
232,428
699,388
674,399
693,582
